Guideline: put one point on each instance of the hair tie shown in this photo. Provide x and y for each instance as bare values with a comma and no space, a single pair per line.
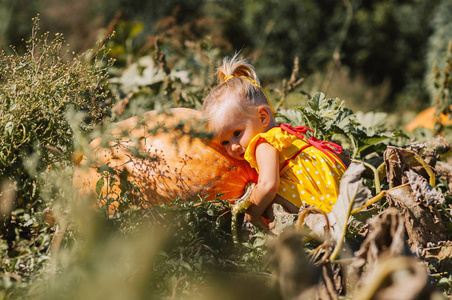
226,78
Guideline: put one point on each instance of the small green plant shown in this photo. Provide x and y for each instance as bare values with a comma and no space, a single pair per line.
36,90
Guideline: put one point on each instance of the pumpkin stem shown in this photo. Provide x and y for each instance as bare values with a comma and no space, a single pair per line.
240,206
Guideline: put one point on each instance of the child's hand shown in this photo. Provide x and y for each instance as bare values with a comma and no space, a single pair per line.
254,216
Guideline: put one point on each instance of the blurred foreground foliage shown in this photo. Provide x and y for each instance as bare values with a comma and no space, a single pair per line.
54,246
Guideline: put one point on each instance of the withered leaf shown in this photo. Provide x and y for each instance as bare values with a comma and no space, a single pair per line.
440,252
401,277
353,193
424,193
398,161
432,149
386,233
282,219
423,223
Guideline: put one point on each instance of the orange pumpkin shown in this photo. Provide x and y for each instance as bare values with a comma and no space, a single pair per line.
428,119
157,153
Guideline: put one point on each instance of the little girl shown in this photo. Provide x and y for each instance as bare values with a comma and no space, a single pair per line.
293,170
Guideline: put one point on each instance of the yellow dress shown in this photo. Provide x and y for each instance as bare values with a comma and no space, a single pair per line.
308,175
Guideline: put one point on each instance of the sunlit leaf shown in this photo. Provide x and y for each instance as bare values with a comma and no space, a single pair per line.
99,185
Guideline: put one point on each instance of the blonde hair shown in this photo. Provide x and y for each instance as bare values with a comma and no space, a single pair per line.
235,78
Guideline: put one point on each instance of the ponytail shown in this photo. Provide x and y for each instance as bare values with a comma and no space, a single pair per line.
235,67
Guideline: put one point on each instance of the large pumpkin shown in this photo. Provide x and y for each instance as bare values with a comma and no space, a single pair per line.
160,154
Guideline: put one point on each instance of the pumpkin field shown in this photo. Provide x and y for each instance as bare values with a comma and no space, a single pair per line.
111,187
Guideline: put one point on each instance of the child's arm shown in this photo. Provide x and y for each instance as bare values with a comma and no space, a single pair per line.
267,158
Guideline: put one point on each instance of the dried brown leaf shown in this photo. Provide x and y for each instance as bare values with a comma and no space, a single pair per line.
386,233
439,257
352,193
423,223
316,223
282,219
424,193
432,149
391,272
402,278
398,161
440,252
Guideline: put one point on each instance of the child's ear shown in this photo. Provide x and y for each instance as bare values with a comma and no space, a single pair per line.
264,115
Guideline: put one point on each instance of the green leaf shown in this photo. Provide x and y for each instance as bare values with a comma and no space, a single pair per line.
99,185
372,119
367,142
315,102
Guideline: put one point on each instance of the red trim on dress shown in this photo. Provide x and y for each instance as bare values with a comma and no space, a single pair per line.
329,148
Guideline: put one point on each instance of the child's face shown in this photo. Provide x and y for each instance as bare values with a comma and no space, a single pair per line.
237,131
